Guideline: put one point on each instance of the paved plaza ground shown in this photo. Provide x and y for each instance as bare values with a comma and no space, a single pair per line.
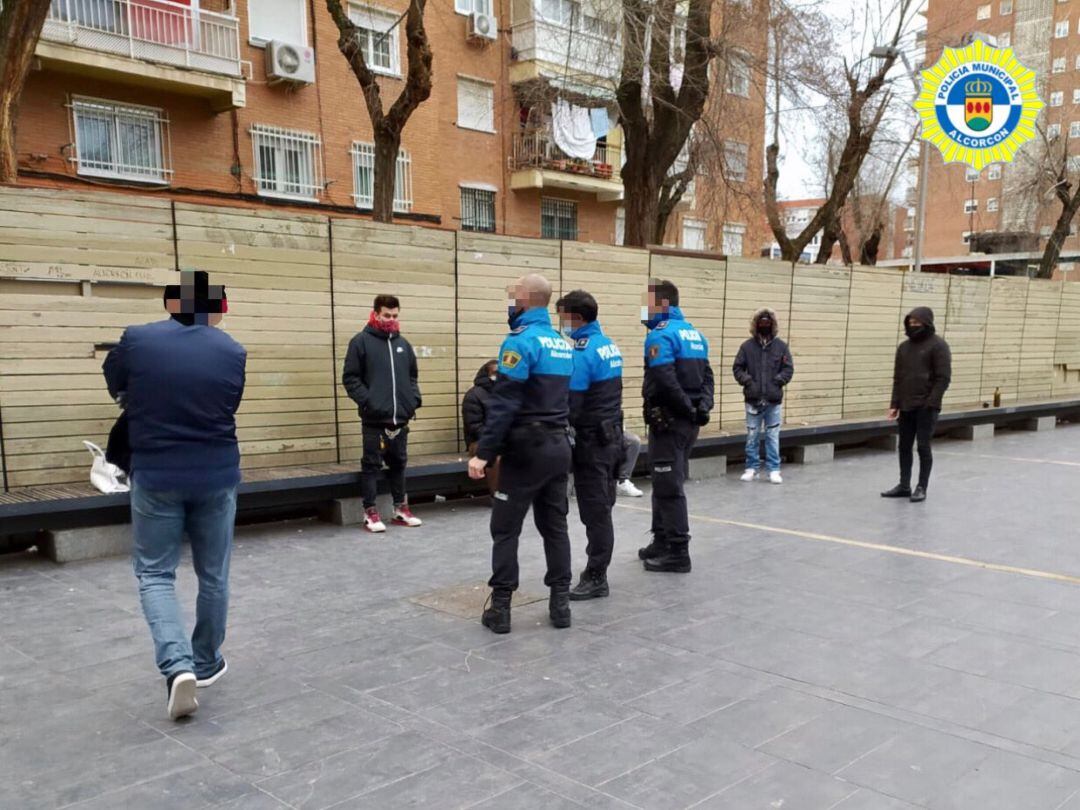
807,663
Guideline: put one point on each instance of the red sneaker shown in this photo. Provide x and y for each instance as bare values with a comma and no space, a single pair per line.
403,516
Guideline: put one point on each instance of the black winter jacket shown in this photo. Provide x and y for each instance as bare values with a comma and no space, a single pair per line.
474,405
763,369
923,367
380,376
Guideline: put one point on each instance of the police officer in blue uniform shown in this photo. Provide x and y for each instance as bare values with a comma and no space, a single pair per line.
678,394
527,424
596,417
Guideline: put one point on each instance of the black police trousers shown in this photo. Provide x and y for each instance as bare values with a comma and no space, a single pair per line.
596,471
378,447
535,472
669,466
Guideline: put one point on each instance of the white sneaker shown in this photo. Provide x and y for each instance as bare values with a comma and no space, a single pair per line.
403,516
749,475
372,521
182,702
774,477
628,489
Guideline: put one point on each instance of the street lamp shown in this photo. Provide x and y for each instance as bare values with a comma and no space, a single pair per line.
887,52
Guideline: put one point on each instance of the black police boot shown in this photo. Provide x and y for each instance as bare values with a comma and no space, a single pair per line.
899,491
919,495
592,585
675,561
657,548
559,606
496,616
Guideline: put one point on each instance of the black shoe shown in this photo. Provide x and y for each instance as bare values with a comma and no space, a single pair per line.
559,606
675,561
899,491
919,495
181,691
214,676
657,548
592,585
496,616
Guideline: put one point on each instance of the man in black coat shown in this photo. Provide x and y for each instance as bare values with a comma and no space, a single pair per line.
474,408
380,376
763,367
921,376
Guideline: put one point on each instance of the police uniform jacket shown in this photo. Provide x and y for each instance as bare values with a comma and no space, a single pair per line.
596,383
535,363
678,376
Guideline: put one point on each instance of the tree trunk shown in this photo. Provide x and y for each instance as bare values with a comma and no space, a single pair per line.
641,187
1070,205
868,255
387,147
20,27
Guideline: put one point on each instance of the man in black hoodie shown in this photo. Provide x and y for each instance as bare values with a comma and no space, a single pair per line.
474,406
921,376
380,376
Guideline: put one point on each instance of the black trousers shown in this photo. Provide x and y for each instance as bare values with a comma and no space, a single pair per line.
535,471
917,426
669,466
380,448
596,471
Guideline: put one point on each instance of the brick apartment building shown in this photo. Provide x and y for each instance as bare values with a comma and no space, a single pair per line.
994,210
796,214
251,100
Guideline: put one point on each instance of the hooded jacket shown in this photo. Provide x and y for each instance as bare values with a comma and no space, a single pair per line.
923,367
381,377
763,368
474,405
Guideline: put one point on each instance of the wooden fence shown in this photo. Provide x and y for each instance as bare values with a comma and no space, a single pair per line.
76,268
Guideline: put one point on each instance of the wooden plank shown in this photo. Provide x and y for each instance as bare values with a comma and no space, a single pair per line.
817,336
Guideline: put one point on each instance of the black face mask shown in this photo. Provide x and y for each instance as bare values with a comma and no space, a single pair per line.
765,329
916,332
513,314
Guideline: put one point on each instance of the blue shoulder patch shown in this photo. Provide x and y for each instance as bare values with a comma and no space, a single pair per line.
519,330
581,343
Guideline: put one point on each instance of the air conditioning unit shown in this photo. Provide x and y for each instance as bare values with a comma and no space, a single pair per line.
483,26
290,63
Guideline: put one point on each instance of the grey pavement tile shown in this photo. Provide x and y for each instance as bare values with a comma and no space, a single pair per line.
1007,781
1039,719
289,748
490,707
917,638
100,771
335,779
534,732
527,796
754,720
689,700
1042,668
253,801
979,653
386,670
458,783
446,684
864,799
835,739
688,775
785,785
981,611
195,787
964,699
918,765
1061,628
614,751
716,633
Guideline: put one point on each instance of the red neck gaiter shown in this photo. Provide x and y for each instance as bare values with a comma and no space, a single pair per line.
390,327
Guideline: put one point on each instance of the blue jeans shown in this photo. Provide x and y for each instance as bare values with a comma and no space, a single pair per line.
763,420
159,520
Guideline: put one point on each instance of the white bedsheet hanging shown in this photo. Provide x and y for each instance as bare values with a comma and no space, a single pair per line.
572,130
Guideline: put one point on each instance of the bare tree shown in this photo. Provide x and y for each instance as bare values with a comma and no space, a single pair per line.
863,100
1055,176
20,27
656,116
387,126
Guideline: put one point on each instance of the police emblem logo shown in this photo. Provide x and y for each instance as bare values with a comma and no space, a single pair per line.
581,343
978,105
510,359
518,330
662,324
654,352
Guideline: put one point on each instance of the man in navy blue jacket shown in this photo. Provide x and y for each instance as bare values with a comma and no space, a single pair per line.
181,381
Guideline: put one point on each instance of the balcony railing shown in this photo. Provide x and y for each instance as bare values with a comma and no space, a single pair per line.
535,149
578,52
151,30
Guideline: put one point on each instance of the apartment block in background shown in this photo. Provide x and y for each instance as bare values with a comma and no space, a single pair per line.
251,101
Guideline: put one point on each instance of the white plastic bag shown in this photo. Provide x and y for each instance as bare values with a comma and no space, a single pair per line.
105,477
